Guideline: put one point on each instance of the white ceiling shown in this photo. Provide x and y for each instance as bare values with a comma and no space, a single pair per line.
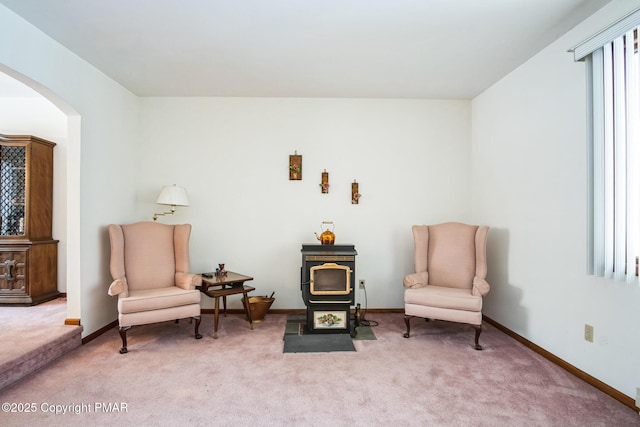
306,48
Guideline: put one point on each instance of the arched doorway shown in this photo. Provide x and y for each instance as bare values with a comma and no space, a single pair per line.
28,108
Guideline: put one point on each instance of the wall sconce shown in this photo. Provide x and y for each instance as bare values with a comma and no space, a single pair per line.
173,196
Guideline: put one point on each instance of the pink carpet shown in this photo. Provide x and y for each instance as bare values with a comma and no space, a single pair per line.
32,337
243,378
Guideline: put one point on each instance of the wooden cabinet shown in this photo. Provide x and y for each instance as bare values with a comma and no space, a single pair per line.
28,253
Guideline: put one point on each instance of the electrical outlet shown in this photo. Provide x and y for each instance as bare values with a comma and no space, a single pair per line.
588,333
361,282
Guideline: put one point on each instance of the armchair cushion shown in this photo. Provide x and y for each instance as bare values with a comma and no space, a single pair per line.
156,299
443,297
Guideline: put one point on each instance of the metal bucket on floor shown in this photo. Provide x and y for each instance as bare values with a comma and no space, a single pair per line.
259,306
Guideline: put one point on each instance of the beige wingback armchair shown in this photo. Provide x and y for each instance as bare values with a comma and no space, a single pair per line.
449,282
149,266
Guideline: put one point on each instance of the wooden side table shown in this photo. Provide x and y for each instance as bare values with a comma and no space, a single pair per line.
223,286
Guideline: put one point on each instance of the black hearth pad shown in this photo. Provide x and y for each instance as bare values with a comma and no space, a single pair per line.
320,343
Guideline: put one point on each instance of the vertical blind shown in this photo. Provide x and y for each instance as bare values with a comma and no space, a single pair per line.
613,73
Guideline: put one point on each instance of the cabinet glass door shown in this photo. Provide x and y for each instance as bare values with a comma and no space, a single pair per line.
12,188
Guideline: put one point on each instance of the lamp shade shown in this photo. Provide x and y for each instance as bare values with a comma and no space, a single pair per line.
173,195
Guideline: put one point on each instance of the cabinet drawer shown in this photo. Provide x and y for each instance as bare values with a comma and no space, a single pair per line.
13,266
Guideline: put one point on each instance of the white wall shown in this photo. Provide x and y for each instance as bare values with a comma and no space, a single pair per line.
35,115
529,184
101,156
410,158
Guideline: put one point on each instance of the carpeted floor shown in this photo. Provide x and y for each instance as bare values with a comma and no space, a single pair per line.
27,328
243,378
32,337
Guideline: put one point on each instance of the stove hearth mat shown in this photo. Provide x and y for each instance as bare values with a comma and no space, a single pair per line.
311,343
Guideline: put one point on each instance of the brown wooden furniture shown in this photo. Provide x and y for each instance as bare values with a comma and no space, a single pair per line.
222,286
28,253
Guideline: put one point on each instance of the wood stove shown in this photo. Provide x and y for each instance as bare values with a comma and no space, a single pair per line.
327,278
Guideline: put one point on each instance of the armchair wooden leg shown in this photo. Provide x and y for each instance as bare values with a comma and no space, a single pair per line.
123,335
478,329
406,322
198,320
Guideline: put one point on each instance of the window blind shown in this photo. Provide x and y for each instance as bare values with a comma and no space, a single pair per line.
613,73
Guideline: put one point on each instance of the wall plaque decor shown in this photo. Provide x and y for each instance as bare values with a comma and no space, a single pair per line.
295,167
324,184
355,195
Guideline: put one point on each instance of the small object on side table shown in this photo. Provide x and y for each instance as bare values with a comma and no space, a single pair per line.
220,271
